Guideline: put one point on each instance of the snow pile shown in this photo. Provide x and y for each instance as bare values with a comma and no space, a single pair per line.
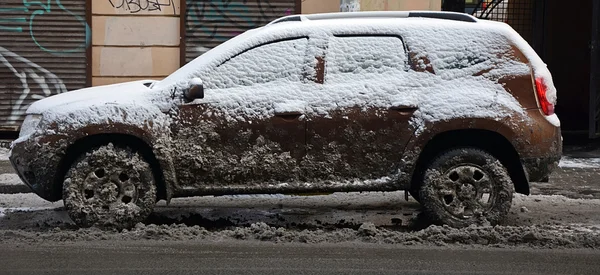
538,236
10,179
4,153
568,162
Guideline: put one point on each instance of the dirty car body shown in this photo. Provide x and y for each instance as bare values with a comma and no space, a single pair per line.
313,106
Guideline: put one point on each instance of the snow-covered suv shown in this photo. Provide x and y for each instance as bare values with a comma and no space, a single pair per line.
455,110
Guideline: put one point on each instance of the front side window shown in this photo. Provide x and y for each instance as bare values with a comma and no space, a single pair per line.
280,61
351,58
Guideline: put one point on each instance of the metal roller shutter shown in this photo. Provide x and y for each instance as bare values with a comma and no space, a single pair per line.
210,23
42,53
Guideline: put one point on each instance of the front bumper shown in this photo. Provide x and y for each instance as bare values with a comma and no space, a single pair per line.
37,164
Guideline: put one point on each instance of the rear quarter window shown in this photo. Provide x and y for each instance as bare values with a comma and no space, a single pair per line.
461,52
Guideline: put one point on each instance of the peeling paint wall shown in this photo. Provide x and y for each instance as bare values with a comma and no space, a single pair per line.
134,40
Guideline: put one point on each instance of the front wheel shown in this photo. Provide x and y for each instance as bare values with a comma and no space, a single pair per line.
466,186
109,187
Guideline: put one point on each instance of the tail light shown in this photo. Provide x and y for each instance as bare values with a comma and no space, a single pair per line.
541,89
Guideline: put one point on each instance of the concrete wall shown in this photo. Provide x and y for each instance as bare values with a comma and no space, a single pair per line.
132,42
317,6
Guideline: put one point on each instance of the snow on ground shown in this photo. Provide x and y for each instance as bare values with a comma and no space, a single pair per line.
10,179
4,153
568,162
375,217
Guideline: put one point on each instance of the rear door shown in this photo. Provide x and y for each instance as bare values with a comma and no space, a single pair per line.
364,132
248,132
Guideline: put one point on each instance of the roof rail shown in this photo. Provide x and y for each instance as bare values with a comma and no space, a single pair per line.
456,16
377,14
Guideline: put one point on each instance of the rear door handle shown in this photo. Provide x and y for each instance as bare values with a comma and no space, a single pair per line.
404,109
291,115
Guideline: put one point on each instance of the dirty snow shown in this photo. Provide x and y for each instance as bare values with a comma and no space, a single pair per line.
548,221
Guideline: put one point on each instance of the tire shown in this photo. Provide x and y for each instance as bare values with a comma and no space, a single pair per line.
466,186
109,187
415,194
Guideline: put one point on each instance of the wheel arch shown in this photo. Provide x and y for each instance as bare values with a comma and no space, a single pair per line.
490,141
83,144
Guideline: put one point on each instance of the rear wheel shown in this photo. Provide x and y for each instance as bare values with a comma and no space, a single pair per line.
466,186
109,187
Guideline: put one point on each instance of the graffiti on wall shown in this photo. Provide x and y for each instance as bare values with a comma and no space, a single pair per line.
29,76
208,17
42,53
136,6
34,11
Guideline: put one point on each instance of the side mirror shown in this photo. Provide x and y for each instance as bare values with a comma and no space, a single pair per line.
195,90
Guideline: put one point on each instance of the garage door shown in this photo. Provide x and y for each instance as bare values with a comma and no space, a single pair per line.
42,52
210,23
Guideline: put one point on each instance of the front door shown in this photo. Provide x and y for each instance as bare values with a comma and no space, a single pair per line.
248,133
364,132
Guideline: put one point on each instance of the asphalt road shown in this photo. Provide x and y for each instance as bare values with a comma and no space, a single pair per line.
260,258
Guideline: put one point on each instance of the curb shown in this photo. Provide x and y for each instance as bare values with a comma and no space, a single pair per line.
14,189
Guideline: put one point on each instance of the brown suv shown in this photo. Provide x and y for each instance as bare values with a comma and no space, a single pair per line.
458,111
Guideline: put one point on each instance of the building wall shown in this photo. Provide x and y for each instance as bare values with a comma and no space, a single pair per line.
388,5
132,42
319,6
567,52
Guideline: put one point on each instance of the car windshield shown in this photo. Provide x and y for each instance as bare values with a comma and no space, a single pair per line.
186,72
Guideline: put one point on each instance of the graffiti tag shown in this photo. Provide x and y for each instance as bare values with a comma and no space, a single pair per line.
207,17
135,6
37,9
31,77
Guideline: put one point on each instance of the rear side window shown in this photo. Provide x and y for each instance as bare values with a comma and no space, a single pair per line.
280,61
351,58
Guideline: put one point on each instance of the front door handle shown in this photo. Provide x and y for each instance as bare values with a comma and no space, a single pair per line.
405,110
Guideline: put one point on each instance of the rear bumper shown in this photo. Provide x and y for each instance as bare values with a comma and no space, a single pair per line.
37,165
538,169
